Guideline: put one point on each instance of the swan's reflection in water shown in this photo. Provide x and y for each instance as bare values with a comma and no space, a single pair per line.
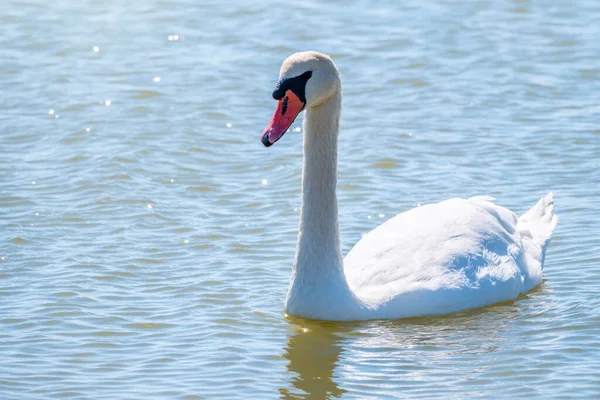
408,349
313,351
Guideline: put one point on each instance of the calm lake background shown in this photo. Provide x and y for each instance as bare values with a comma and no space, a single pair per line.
147,236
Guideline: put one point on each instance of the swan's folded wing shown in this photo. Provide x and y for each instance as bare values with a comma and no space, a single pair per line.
456,244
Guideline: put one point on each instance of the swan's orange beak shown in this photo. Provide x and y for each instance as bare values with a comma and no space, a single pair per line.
287,110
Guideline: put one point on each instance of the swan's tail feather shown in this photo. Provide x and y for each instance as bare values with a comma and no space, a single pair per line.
539,222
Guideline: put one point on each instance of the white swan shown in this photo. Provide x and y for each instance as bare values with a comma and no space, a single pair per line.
434,259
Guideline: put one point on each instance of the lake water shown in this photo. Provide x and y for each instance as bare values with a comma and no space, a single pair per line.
147,236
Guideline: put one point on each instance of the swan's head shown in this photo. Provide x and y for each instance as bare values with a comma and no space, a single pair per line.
306,80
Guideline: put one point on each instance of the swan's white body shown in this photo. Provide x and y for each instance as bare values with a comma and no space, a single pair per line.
434,259
450,256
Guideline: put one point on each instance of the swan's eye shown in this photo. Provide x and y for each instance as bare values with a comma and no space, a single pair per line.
284,106
296,84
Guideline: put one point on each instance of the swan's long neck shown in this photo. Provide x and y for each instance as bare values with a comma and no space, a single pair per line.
318,288
319,236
